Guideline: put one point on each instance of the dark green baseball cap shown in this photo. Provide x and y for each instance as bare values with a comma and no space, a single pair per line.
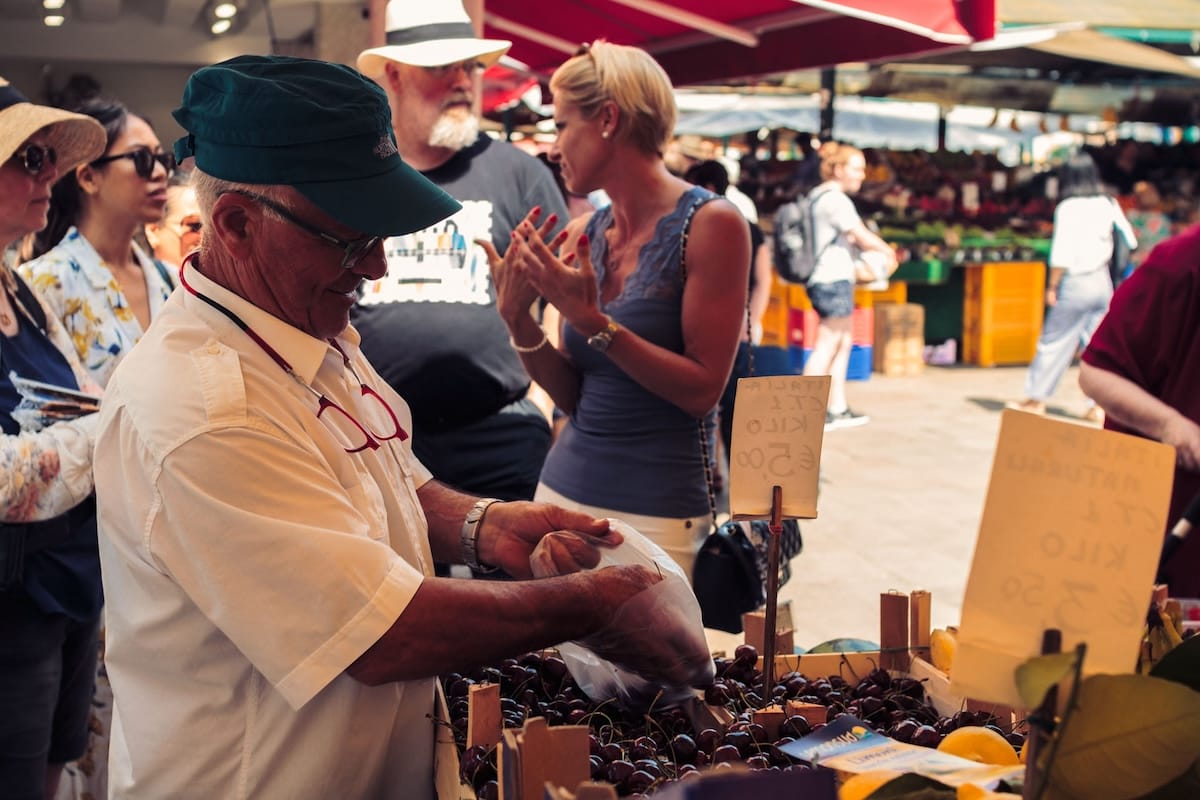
322,128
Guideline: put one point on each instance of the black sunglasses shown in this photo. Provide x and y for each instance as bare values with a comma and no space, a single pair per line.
143,161
35,157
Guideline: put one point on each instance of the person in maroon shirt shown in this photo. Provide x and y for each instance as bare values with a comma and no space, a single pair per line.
1143,368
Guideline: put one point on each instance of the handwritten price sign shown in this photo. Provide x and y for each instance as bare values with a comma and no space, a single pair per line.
778,427
1070,536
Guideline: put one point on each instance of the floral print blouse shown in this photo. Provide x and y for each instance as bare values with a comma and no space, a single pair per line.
82,293
48,472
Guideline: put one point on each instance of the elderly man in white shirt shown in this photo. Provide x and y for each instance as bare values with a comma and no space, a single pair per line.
267,536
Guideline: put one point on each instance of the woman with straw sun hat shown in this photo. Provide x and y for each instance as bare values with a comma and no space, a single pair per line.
50,594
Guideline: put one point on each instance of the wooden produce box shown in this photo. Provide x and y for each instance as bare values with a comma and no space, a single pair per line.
899,347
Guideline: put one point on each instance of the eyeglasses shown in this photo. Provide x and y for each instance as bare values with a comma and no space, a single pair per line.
353,250
469,66
35,157
143,161
342,424
352,435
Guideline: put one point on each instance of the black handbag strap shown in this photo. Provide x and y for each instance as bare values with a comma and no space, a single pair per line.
705,450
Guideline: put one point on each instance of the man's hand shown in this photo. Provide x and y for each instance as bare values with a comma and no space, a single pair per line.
510,531
1184,435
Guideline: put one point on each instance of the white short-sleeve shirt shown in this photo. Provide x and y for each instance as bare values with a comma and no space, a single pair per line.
834,216
248,560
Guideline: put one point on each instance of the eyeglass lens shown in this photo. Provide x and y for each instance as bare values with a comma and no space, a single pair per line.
353,435
35,157
144,158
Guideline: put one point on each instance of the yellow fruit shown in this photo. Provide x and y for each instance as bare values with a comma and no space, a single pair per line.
969,791
860,786
980,744
942,644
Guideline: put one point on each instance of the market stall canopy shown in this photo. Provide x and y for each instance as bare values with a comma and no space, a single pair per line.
1061,68
708,40
1149,15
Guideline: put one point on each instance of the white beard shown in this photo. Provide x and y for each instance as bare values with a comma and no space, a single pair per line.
454,131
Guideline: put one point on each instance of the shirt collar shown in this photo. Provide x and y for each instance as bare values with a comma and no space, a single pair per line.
303,352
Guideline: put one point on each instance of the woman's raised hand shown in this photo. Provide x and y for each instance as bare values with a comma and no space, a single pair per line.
515,295
568,283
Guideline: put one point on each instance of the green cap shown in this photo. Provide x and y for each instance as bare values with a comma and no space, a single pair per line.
322,128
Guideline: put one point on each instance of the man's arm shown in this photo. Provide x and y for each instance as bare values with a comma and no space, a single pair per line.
457,624
1131,405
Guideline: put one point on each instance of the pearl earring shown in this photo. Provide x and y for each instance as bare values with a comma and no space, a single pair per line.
603,134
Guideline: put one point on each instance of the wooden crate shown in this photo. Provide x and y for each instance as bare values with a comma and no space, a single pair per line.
1003,304
899,347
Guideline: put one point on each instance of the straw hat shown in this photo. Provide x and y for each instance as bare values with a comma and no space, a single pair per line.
429,33
77,138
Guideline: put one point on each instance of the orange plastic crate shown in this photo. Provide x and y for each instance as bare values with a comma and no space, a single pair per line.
1003,305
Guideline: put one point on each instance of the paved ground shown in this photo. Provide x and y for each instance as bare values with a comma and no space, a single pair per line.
901,498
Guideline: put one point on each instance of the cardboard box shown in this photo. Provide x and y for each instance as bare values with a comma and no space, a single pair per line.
899,339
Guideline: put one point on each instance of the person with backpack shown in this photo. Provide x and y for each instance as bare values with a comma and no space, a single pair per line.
821,241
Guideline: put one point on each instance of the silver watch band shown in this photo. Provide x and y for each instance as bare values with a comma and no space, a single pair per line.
469,536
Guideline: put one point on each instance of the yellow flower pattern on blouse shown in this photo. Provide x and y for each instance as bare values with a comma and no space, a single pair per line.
82,292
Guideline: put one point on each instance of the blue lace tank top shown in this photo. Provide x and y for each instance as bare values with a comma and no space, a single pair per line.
625,448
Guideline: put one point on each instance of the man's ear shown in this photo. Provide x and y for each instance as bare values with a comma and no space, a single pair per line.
392,79
235,224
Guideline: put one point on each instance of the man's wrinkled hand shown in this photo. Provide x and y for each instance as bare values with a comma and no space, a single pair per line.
511,531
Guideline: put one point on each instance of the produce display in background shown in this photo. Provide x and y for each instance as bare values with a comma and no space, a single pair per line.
639,753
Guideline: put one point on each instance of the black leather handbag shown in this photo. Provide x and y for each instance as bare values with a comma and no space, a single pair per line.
730,575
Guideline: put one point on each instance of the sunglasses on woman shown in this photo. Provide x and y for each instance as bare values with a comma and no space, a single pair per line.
143,161
35,157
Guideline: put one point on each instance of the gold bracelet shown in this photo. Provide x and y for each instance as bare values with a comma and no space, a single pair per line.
531,349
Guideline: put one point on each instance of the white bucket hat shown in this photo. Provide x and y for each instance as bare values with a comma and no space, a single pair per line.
75,137
429,33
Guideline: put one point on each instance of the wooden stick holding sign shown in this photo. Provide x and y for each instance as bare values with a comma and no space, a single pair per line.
776,528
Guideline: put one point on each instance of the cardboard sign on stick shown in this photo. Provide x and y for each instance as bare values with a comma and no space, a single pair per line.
778,427
1070,536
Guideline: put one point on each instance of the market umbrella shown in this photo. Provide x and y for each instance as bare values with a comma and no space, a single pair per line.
710,40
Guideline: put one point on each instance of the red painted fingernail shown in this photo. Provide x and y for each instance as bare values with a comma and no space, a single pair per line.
583,239
535,210
569,259
552,219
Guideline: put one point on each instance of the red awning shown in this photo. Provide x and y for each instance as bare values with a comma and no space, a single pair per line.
709,40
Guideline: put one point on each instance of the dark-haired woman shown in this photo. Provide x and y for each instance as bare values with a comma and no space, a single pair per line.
102,285
1080,285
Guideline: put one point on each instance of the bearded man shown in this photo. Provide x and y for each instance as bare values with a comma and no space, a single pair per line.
430,326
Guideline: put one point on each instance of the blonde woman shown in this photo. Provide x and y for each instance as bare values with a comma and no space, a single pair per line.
647,341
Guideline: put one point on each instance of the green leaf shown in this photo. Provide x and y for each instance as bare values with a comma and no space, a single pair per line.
1036,676
913,787
1182,664
1127,735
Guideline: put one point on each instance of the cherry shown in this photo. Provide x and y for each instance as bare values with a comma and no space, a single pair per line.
683,748
726,753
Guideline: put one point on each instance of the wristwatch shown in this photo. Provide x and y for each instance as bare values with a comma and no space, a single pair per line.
469,536
601,339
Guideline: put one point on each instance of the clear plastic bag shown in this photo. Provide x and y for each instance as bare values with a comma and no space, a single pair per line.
653,650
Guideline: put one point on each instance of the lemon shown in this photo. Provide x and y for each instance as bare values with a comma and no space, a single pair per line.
980,744
860,786
942,645
969,791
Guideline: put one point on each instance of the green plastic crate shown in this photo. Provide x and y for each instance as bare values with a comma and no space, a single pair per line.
932,271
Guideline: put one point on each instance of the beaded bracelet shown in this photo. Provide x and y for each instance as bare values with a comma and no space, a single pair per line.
532,348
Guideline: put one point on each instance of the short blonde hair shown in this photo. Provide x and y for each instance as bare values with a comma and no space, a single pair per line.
628,77
834,155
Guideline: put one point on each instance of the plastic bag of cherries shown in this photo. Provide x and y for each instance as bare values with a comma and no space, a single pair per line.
653,650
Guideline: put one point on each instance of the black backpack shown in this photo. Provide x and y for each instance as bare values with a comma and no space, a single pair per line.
795,250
